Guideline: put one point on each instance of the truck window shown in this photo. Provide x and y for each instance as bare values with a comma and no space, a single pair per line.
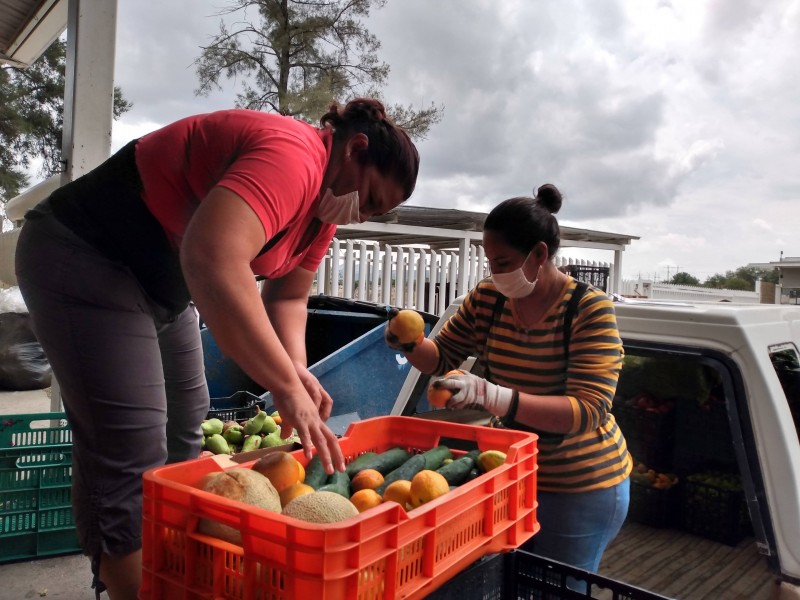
785,361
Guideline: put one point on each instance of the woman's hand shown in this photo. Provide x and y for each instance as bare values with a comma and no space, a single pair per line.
471,391
299,412
321,398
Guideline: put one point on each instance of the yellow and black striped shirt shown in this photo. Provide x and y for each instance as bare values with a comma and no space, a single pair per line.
593,455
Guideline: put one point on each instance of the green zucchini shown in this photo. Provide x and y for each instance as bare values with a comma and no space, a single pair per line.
435,456
406,472
316,476
358,464
457,471
337,482
386,461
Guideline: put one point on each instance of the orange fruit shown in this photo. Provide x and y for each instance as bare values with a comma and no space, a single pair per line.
293,491
281,468
427,485
408,326
398,491
368,479
439,397
365,499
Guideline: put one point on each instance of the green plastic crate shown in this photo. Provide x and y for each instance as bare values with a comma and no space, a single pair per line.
35,481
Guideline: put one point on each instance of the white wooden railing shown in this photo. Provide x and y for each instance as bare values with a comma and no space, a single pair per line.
406,276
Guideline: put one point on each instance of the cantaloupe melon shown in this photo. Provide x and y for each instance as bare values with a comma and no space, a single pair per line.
244,485
321,507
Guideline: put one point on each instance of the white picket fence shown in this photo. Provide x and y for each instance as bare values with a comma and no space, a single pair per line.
644,288
405,276
429,280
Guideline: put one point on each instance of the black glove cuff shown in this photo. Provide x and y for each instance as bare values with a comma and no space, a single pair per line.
508,419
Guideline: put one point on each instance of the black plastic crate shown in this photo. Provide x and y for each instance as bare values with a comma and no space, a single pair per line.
236,407
702,436
596,276
520,574
713,506
653,506
649,435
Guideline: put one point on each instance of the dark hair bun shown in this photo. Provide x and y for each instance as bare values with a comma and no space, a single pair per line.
549,197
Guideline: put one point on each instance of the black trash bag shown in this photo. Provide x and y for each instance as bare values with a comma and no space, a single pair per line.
23,365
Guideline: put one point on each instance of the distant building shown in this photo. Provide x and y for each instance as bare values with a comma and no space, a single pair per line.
788,277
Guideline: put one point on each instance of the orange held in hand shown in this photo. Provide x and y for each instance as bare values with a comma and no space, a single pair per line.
408,326
439,397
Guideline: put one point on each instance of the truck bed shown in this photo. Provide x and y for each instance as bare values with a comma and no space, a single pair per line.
686,567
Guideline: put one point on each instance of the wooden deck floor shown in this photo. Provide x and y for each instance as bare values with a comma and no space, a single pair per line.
686,567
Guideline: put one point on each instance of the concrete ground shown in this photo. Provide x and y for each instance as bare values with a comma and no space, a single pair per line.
64,577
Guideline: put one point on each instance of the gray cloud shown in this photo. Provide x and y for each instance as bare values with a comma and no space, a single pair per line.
675,121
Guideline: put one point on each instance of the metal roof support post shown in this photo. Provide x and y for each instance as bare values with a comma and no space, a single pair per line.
88,96
89,85
463,266
615,280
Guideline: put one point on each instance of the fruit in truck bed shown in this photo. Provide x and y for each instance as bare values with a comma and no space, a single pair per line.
255,424
244,485
321,507
211,426
269,425
408,326
217,444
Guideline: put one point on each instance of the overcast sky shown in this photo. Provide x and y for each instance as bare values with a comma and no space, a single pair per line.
675,121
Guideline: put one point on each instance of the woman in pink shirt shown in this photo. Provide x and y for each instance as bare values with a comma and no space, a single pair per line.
109,263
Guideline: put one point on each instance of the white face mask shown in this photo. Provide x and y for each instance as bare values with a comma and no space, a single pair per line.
514,284
339,210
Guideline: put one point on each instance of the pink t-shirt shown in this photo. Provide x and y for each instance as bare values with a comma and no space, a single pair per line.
274,163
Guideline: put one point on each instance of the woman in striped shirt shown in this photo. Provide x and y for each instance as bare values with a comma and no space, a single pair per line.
551,355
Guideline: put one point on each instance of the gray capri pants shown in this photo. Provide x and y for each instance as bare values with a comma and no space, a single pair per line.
131,376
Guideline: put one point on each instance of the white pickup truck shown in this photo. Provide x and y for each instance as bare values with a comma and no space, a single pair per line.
710,397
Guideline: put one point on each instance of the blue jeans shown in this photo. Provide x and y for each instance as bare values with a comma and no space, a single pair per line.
577,528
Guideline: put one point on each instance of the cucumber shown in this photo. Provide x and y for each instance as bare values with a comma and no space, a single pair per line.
435,456
386,461
406,471
358,464
337,482
316,476
457,471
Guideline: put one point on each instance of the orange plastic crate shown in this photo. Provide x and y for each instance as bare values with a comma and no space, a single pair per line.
382,553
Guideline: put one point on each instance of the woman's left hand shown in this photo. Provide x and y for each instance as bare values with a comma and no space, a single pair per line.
471,391
321,398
